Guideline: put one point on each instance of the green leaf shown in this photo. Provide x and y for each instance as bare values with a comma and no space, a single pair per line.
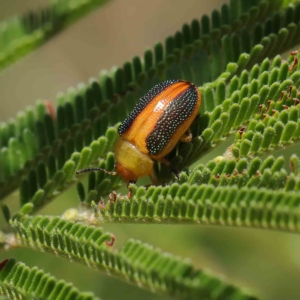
6,212
31,283
21,34
41,186
208,183
72,123
164,272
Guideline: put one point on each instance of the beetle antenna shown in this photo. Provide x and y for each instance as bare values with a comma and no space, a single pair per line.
95,169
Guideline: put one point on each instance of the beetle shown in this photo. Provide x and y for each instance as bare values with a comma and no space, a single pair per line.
160,119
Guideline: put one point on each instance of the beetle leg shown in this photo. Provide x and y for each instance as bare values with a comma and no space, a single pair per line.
187,137
164,162
168,164
153,178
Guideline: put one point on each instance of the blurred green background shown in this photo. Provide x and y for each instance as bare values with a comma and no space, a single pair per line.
265,262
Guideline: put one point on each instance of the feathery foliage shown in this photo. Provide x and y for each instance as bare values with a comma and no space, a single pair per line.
250,97
136,262
246,96
23,33
89,109
257,194
17,281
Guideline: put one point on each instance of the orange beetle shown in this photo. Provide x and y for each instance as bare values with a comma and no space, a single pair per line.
157,122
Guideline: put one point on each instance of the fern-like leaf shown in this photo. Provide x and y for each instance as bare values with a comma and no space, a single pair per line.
90,100
246,96
161,272
17,281
207,204
21,34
